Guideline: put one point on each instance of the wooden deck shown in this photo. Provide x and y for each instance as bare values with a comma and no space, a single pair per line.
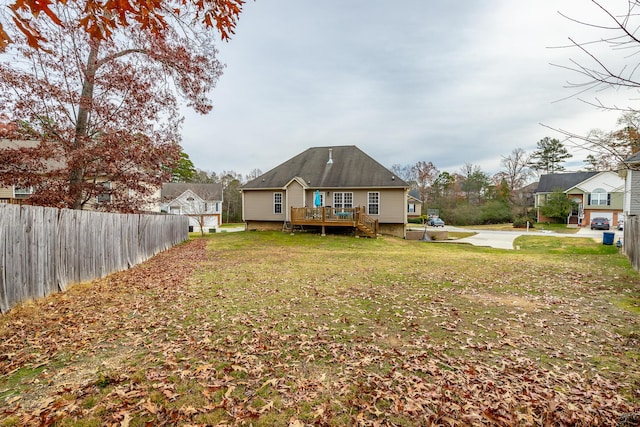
336,217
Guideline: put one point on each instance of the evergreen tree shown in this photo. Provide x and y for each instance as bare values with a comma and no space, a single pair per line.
185,171
549,156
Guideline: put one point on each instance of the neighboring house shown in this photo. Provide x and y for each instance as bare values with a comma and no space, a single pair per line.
525,196
594,194
631,177
201,202
328,186
19,195
14,194
414,204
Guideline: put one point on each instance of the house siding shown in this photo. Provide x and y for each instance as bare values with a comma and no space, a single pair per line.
393,204
295,197
634,196
392,201
258,205
617,201
6,192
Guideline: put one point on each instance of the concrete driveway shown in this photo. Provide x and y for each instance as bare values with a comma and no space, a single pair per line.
504,239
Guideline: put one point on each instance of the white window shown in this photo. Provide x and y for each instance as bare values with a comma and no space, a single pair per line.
22,192
373,203
106,196
342,200
277,203
599,197
411,208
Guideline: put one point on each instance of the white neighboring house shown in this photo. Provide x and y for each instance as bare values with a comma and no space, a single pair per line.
202,203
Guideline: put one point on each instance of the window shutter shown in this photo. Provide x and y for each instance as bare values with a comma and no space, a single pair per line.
589,199
609,199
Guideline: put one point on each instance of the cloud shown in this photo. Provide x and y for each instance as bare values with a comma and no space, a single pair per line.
447,82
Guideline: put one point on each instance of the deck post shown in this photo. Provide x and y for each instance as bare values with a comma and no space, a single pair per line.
323,233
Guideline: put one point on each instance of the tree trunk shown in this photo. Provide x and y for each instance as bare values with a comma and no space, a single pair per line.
76,172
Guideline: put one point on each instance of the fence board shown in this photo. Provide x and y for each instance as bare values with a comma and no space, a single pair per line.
632,240
43,250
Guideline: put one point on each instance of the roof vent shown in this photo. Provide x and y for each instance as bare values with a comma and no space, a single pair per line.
330,162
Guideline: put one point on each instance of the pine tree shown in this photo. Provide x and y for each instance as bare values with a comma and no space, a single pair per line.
549,156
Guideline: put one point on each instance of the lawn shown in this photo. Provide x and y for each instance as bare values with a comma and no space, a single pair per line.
262,329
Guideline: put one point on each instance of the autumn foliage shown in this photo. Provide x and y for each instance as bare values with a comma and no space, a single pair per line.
99,116
100,19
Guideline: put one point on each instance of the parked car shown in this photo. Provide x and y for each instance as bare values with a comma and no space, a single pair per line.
436,222
621,224
600,223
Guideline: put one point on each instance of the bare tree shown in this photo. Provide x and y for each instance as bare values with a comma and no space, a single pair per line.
253,174
517,171
405,172
606,56
196,210
425,174
607,60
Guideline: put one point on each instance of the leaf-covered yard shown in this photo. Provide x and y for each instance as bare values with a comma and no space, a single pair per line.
271,329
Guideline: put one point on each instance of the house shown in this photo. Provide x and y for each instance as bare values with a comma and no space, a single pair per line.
337,186
13,194
100,191
202,203
594,194
414,204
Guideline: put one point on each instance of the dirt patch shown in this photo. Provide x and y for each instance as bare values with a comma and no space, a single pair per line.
504,300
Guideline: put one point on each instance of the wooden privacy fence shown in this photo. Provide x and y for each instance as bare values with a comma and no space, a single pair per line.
632,240
42,250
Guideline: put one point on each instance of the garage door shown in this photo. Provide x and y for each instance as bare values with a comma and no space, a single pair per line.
608,215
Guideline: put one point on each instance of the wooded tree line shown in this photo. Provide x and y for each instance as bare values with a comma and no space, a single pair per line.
472,196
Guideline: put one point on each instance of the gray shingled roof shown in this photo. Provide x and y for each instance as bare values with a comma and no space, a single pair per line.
562,181
351,168
634,159
208,192
415,194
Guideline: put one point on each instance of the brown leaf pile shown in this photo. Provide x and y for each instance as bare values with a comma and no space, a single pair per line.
239,345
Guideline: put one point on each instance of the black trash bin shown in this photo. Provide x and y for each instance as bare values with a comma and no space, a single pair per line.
191,229
607,238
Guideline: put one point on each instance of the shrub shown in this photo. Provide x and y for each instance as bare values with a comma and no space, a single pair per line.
495,212
521,222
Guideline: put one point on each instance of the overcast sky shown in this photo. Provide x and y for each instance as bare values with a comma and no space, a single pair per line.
451,82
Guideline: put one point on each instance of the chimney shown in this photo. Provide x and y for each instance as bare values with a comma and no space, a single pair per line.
330,162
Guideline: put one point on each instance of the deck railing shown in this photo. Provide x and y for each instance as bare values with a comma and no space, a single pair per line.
13,201
341,217
369,222
324,214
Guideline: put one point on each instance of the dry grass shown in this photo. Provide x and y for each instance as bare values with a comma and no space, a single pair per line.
274,329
